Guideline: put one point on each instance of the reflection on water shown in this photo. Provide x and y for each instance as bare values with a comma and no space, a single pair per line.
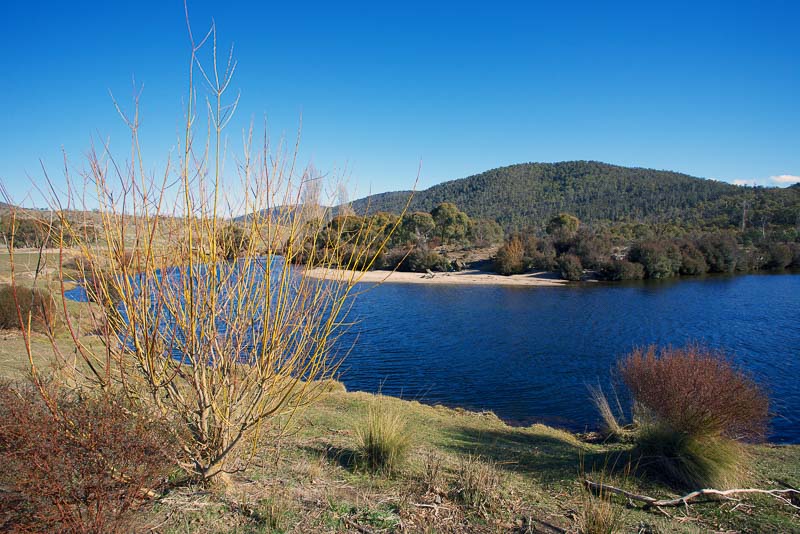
529,353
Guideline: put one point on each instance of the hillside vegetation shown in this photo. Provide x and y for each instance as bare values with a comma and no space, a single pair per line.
529,194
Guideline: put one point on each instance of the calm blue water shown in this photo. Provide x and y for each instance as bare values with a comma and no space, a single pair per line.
528,353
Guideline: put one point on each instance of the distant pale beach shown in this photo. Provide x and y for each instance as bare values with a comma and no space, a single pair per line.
466,278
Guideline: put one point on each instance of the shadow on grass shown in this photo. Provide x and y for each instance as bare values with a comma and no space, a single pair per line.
549,456
343,456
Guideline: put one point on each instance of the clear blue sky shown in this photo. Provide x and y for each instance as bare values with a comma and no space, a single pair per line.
707,88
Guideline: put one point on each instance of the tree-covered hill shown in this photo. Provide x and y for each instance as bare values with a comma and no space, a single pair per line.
529,194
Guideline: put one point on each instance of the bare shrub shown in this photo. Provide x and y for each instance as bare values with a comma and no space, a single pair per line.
510,259
569,265
34,303
692,406
229,352
697,391
74,464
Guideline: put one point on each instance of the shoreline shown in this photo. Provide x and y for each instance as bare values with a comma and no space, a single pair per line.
470,277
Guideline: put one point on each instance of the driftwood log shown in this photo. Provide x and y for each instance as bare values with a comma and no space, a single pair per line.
787,496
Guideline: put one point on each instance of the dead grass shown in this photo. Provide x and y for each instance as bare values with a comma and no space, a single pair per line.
479,485
598,515
611,427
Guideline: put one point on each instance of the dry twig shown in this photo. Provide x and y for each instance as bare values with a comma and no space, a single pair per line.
702,495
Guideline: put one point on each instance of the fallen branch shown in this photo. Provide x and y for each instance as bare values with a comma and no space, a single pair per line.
702,495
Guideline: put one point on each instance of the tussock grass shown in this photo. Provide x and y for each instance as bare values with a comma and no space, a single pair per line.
479,484
687,461
276,513
598,515
383,439
611,427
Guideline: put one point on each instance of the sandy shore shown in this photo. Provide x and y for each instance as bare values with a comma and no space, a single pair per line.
467,278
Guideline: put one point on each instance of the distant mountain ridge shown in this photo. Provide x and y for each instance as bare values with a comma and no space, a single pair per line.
528,194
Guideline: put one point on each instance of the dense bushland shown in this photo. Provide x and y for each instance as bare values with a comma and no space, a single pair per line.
406,243
625,252
44,230
526,196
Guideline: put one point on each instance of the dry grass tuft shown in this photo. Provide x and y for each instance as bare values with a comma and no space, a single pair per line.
611,429
383,439
433,477
479,485
598,515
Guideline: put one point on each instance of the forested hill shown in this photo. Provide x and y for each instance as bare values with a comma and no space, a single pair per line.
528,194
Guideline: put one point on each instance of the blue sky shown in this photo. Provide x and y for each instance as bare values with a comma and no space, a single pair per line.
706,88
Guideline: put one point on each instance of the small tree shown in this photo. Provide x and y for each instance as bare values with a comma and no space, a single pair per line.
415,228
779,256
227,353
617,270
660,260
483,232
451,223
692,260
232,240
569,265
563,224
510,258
721,252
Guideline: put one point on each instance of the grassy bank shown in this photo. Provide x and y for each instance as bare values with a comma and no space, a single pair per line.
520,480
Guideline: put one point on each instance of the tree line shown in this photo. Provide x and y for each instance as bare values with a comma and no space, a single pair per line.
406,243
634,252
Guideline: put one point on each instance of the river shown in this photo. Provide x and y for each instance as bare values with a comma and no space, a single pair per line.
528,354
